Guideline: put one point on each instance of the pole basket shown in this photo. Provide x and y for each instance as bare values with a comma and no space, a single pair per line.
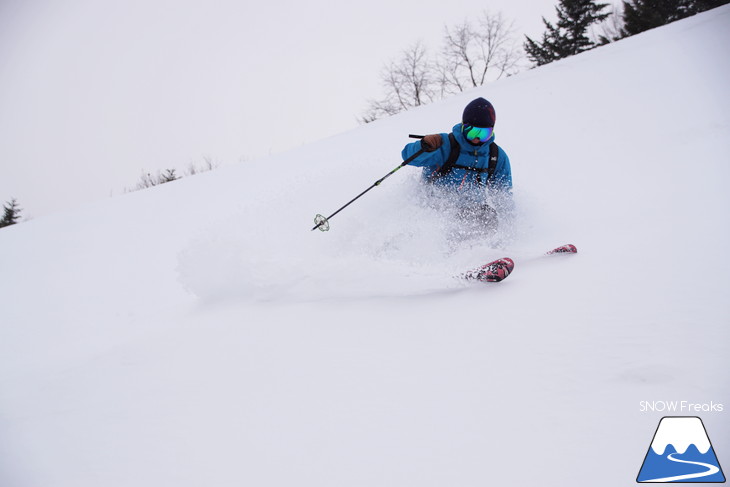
322,223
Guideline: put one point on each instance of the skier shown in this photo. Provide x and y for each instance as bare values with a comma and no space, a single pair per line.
466,169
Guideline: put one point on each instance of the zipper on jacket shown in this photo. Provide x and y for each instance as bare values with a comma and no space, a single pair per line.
478,177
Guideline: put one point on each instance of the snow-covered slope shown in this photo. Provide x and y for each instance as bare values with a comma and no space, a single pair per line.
200,334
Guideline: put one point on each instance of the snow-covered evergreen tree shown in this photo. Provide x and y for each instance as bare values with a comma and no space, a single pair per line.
641,15
11,213
570,35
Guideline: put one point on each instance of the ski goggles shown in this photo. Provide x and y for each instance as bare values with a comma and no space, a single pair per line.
477,133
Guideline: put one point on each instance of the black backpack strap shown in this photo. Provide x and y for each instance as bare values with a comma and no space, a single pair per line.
493,157
451,160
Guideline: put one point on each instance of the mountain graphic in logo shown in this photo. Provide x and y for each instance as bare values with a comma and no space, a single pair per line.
681,452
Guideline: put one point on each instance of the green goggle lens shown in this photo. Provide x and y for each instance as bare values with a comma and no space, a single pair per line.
478,133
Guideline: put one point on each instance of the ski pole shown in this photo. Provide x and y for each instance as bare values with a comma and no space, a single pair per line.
323,223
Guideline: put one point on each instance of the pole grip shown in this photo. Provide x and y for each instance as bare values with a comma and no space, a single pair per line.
414,136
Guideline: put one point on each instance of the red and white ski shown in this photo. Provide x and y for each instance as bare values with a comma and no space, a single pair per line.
565,249
493,271
500,269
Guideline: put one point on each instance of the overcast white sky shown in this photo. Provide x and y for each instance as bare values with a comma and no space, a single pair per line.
93,92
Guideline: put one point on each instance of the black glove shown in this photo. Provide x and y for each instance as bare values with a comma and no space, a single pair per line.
431,142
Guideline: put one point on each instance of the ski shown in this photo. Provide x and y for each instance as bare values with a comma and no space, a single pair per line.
500,269
565,249
494,271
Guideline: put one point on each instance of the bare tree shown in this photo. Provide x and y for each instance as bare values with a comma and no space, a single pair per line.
408,81
148,180
474,54
208,164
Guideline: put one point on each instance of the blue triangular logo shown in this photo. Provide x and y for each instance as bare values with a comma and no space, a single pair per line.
681,452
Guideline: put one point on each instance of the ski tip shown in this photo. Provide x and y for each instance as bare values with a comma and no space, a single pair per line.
495,271
564,249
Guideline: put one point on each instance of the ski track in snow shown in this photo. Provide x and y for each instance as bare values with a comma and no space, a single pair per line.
415,250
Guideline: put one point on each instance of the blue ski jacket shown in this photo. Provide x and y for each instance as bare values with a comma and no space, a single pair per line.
462,180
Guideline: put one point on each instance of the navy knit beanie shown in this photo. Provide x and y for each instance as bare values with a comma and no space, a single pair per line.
479,113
